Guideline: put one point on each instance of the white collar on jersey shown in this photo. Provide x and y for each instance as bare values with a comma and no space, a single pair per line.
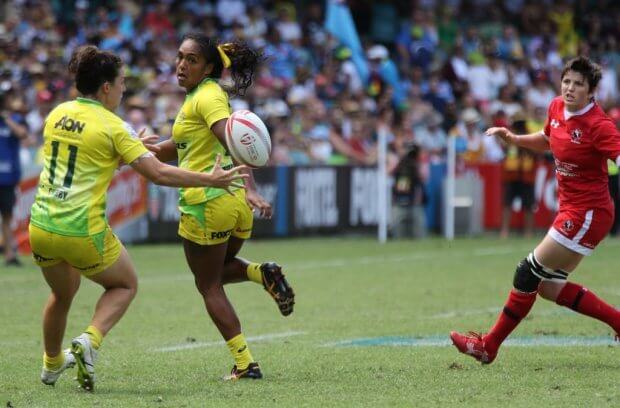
568,115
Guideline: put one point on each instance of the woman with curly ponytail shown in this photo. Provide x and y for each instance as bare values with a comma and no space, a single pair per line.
214,225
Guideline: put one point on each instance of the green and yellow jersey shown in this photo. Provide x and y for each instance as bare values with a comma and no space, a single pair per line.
83,142
197,146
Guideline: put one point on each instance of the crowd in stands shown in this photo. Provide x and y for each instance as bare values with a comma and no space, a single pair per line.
460,66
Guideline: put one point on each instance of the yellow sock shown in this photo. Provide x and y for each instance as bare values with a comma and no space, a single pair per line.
96,338
240,351
254,273
53,363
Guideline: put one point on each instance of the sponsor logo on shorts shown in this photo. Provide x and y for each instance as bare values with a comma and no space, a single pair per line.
568,226
244,229
555,124
221,234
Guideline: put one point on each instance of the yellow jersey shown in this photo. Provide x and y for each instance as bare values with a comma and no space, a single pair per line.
83,142
197,146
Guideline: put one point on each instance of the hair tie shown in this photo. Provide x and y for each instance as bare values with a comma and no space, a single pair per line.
223,56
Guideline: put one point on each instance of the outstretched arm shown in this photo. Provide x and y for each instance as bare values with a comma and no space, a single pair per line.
167,151
532,141
166,175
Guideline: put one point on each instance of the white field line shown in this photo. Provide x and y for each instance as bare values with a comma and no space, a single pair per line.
474,312
253,339
360,261
441,341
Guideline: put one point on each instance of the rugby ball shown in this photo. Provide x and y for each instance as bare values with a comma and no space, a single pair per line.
248,139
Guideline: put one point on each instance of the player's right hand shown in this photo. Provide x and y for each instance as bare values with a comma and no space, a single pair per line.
149,141
227,178
503,133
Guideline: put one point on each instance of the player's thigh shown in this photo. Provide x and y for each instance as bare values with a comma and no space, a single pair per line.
206,262
554,255
233,248
63,280
120,274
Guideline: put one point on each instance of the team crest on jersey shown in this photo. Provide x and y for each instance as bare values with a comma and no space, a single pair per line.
555,124
575,136
567,226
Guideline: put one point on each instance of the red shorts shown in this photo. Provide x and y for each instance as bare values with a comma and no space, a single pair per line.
581,230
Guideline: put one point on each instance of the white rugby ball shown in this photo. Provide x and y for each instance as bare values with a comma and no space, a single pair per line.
248,139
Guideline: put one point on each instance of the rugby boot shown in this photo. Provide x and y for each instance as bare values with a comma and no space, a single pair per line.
252,372
278,287
50,377
473,344
85,356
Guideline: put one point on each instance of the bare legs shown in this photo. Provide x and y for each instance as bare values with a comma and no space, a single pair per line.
120,284
207,263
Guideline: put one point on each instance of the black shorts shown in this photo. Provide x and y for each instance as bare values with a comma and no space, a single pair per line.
7,200
525,191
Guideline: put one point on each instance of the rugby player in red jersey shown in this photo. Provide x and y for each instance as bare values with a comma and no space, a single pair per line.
581,138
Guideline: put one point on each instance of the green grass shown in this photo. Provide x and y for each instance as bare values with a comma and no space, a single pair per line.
346,289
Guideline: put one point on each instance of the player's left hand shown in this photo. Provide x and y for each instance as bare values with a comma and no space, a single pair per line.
258,203
149,141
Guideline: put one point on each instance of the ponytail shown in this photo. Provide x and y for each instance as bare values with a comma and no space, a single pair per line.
244,61
92,67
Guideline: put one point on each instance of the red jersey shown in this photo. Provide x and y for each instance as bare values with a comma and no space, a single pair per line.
581,143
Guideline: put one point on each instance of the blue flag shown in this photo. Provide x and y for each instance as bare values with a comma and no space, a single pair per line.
339,23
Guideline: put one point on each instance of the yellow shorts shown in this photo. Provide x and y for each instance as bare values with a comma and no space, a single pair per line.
89,255
215,221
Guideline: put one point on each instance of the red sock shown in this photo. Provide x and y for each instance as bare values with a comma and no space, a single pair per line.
583,301
516,308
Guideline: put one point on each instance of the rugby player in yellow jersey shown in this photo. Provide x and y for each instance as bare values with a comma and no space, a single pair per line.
83,143
213,224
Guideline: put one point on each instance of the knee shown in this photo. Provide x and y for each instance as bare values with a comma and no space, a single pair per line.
531,276
550,289
133,290
62,299
525,278
208,288
129,286
544,290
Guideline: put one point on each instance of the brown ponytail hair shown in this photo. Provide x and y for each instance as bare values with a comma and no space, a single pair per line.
92,67
244,60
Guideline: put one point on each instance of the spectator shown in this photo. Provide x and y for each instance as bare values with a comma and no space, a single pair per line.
519,176
541,94
432,138
12,130
470,136
408,197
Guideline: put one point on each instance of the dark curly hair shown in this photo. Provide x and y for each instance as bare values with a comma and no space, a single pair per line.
92,67
590,70
244,60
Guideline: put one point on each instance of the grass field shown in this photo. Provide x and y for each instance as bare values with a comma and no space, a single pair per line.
369,329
